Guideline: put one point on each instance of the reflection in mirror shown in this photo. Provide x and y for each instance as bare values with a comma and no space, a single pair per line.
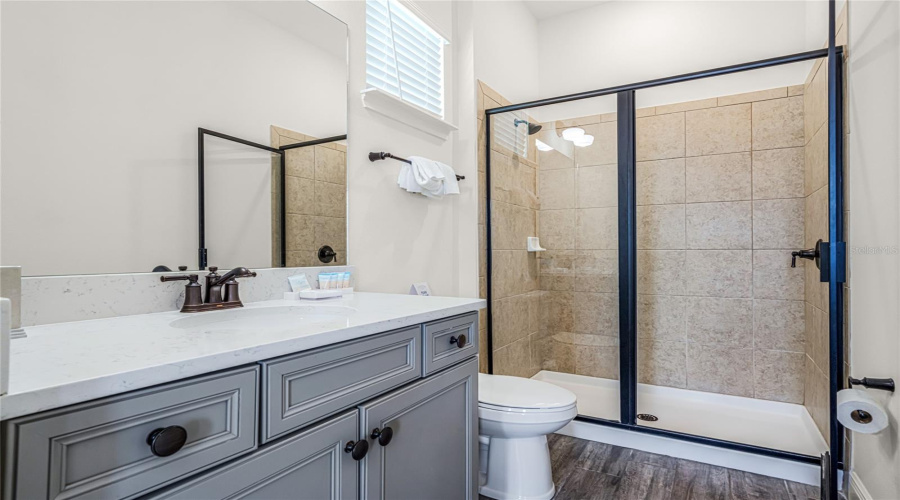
101,107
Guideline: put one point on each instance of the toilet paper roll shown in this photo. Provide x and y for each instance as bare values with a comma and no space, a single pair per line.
859,412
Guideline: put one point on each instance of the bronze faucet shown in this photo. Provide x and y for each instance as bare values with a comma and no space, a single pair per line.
194,301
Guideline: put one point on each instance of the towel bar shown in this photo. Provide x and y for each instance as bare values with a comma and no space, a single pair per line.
382,155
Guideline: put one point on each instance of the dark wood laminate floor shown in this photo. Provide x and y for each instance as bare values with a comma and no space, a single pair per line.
585,470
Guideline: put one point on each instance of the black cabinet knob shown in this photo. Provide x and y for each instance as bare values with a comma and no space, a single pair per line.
459,341
383,436
357,449
167,440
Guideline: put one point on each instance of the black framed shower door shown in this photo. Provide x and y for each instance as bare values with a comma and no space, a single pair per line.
833,254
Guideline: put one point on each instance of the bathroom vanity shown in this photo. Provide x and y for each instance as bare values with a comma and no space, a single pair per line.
369,396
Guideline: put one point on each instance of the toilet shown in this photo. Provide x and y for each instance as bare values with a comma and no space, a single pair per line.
515,415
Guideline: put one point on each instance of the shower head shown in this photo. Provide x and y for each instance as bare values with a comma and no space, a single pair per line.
532,128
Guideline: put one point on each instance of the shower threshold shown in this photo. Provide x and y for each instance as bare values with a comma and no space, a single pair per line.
768,424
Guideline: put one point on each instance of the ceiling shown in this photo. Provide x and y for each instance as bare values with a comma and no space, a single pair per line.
545,9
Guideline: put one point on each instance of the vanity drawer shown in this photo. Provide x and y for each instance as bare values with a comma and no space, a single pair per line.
101,449
302,388
443,339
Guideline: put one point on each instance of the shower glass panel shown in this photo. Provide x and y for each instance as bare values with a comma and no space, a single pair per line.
555,307
732,341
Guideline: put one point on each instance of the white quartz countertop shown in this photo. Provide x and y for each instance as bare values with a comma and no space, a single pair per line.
66,363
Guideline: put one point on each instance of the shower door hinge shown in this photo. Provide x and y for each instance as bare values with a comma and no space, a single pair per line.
825,269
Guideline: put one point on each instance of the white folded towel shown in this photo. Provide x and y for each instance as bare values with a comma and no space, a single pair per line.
428,177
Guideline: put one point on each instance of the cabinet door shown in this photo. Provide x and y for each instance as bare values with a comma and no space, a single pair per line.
433,450
311,465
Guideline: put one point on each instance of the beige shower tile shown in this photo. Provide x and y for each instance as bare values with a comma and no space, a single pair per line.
660,182
515,359
514,272
660,137
778,123
778,375
331,199
816,217
779,325
596,228
778,173
724,177
595,340
662,363
719,226
300,162
686,106
795,90
557,282
557,189
718,130
300,196
774,278
660,227
815,102
759,95
557,261
597,186
556,229
778,224
642,112
331,231
301,232
719,273
557,312
661,272
553,160
602,362
816,162
511,225
303,258
597,271
720,369
816,397
661,317
596,313
331,165
817,336
816,291
603,150
711,320
553,355
515,318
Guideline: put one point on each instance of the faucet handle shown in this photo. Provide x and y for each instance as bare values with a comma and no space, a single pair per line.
191,278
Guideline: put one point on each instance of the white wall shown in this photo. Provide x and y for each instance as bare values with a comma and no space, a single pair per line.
625,42
99,138
397,238
506,48
874,198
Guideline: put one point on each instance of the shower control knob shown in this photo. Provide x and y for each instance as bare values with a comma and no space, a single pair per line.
459,341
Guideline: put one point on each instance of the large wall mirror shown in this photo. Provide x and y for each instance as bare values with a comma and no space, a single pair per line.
102,109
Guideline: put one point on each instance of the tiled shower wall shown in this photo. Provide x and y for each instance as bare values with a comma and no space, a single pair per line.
516,293
316,200
720,208
816,192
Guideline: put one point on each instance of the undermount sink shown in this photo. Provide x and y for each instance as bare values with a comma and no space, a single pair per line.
264,318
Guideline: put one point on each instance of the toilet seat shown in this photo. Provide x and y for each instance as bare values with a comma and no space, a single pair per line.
522,395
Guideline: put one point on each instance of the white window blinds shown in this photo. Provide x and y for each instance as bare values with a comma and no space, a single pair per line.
404,56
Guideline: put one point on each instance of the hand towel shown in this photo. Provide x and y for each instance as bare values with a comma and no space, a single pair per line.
428,178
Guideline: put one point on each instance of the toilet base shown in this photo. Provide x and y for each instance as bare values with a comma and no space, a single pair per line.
518,469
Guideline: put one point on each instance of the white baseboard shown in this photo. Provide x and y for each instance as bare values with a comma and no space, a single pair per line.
858,490
713,455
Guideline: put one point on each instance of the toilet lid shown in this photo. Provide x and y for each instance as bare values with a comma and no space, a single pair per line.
518,392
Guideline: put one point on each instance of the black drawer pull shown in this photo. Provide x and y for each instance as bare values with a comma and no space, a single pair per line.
459,341
357,449
383,436
167,441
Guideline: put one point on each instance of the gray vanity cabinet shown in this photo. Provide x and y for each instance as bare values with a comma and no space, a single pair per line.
311,465
434,426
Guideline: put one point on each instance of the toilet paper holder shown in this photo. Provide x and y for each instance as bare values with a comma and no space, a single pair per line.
884,384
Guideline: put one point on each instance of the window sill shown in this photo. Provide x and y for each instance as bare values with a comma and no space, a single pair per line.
383,103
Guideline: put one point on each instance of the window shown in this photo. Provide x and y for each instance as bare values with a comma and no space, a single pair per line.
509,134
404,56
